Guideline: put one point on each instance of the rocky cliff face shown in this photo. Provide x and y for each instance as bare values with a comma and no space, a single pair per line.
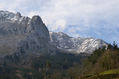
19,34
75,45
22,36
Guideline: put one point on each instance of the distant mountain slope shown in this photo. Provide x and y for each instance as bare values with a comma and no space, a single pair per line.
76,45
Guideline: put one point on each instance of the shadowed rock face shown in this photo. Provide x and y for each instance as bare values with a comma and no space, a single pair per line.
22,34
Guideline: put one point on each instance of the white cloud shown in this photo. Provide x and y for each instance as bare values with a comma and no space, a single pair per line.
88,15
72,11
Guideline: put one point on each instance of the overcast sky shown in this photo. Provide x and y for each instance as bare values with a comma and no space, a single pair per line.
77,18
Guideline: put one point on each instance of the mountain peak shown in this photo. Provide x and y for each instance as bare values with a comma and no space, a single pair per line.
19,32
36,19
18,14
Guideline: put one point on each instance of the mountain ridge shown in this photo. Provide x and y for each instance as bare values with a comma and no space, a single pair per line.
77,45
22,36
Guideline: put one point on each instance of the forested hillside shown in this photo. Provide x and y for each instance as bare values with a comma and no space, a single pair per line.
102,64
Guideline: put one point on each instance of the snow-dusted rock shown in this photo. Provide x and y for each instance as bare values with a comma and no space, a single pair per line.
75,45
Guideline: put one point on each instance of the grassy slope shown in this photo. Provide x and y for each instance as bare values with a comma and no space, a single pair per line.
113,71
109,74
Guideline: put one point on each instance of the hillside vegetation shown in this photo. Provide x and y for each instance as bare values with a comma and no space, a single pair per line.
102,64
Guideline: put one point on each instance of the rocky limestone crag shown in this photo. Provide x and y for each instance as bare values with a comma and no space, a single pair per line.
21,36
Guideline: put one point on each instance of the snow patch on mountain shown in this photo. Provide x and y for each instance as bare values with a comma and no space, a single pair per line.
76,45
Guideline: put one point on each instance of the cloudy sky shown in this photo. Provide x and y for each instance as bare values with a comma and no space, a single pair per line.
77,18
